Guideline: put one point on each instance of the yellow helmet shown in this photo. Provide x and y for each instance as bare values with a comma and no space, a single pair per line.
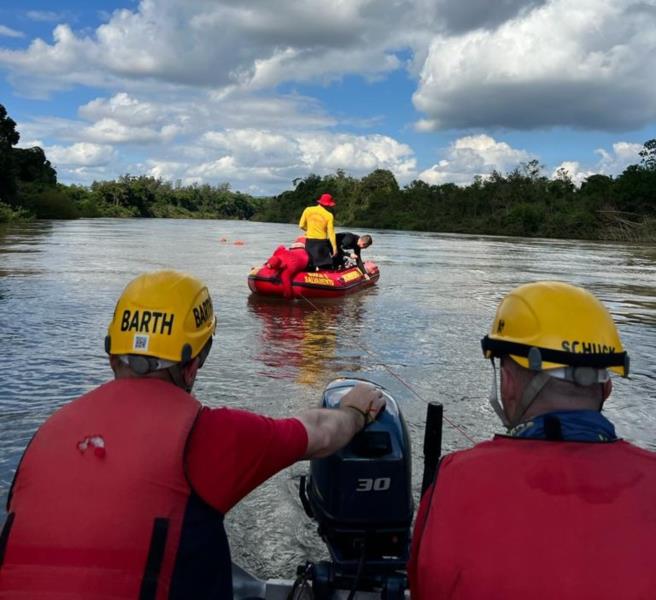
549,324
164,314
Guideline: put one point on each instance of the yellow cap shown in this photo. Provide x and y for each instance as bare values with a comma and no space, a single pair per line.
565,324
163,314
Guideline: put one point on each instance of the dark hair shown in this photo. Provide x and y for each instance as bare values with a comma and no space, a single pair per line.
366,240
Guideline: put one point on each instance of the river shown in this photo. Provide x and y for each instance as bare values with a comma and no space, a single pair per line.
419,329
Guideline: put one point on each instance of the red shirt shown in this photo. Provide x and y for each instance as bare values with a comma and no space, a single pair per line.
230,452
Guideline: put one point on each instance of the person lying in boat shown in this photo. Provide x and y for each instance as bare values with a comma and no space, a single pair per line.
350,246
287,263
122,492
318,224
560,507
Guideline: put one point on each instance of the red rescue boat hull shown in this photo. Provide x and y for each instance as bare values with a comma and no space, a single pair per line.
314,284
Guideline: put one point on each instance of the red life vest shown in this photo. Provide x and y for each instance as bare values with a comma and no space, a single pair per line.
100,502
530,519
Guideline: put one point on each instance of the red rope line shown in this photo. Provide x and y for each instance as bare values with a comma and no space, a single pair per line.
449,422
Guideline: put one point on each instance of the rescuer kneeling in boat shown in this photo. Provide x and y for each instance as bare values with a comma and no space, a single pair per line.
350,245
121,493
287,263
318,224
560,507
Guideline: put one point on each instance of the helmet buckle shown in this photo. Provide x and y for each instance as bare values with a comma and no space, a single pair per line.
584,376
534,357
139,364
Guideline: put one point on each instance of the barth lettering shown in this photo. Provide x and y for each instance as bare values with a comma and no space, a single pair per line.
167,322
203,312
147,321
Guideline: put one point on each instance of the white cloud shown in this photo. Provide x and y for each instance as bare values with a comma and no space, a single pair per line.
255,147
112,131
45,15
80,154
264,112
44,68
196,142
474,156
358,155
619,158
459,16
517,63
273,159
610,162
573,169
192,81
219,44
9,32
587,64
123,108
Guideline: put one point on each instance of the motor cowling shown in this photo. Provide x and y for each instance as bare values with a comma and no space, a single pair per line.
361,496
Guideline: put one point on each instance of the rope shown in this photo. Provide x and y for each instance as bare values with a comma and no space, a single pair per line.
449,422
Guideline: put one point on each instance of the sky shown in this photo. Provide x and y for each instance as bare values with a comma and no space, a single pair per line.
257,93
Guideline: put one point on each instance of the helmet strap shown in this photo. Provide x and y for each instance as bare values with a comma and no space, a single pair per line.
493,399
177,377
176,372
204,353
531,392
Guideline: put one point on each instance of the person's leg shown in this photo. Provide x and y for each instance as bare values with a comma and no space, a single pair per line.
319,251
326,260
287,275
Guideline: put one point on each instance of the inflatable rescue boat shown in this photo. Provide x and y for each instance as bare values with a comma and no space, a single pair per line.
314,284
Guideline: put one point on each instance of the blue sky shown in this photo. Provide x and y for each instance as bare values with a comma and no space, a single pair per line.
259,93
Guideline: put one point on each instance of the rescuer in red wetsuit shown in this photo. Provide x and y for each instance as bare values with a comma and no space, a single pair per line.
560,507
122,492
287,263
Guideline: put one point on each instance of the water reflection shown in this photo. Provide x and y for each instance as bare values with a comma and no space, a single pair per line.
304,340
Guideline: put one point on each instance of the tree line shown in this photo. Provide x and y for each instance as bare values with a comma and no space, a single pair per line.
522,202
29,189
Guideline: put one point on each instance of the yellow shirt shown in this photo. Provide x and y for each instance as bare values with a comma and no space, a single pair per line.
318,224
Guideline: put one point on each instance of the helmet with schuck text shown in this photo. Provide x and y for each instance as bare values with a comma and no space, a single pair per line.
549,325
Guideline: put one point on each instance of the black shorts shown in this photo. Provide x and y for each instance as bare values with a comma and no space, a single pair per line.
320,252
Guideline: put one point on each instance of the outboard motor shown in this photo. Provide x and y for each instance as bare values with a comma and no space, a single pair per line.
362,500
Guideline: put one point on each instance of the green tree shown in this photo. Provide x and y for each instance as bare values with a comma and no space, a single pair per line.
636,190
8,139
31,165
648,155
375,200
8,135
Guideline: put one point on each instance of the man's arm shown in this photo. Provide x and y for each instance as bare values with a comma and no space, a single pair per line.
358,259
331,234
329,429
303,222
349,244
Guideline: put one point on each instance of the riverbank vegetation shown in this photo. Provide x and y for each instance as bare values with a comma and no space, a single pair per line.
522,202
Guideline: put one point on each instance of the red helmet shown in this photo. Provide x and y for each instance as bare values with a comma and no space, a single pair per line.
326,200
